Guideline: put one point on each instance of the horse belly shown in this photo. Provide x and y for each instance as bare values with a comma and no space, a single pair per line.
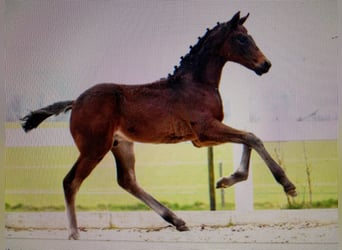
158,131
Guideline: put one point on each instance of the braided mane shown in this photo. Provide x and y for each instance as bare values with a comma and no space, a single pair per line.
200,52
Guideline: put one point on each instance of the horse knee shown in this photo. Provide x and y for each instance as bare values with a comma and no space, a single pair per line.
253,141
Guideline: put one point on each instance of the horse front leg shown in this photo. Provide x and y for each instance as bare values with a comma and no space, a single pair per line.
125,160
241,173
217,133
276,170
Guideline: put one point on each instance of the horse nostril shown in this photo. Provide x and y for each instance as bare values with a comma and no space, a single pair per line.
263,67
267,64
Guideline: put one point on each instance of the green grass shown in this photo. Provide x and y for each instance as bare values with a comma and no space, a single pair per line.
175,174
322,160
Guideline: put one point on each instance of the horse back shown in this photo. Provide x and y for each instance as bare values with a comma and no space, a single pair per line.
159,112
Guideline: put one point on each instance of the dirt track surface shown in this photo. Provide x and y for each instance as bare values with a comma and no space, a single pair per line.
304,235
274,230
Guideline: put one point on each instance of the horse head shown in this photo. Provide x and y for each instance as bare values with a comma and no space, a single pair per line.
227,41
241,48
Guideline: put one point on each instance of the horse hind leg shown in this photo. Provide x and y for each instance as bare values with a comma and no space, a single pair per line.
124,156
241,173
71,184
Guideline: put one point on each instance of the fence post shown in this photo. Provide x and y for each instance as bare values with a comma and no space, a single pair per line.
243,190
222,189
211,175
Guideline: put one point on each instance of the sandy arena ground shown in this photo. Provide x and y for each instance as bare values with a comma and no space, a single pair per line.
308,233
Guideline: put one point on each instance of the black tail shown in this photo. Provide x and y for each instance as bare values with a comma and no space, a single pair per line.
33,119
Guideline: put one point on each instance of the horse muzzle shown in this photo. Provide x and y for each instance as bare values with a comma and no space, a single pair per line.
263,68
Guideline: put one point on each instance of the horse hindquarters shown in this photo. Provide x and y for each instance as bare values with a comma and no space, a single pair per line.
93,135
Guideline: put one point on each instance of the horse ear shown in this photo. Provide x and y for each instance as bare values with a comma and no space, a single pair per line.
235,20
243,19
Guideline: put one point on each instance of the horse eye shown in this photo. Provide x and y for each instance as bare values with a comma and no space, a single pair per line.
242,39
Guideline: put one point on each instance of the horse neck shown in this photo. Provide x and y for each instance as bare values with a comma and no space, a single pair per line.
211,72
205,71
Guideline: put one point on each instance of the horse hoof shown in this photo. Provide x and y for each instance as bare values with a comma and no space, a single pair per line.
224,182
74,236
292,193
182,228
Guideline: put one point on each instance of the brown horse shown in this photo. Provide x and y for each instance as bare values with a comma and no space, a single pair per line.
185,106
